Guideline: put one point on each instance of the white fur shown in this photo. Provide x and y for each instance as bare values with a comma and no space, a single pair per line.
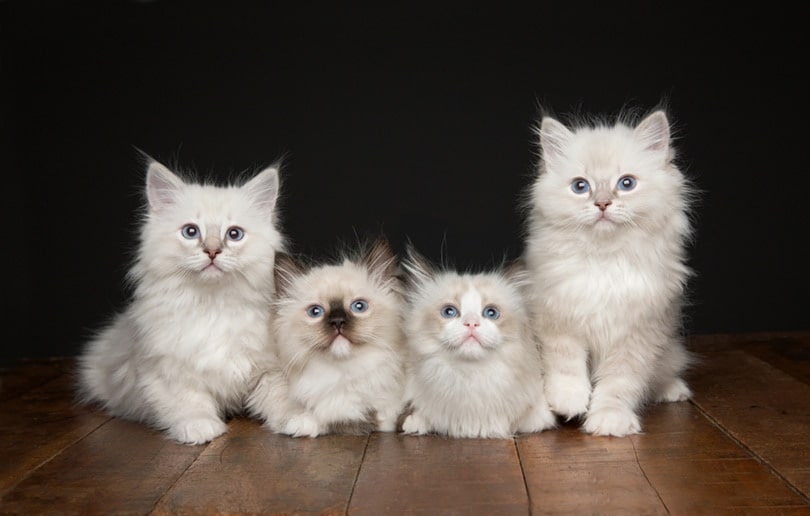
324,380
489,386
606,295
184,353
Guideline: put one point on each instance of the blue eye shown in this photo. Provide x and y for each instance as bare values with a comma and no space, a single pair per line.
580,186
449,311
235,233
359,306
315,311
490,312
626,183
190,231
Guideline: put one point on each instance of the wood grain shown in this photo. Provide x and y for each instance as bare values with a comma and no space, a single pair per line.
250,470
436,475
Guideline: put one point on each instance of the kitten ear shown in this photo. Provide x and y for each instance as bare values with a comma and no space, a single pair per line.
380,260
285,270
263,189
517,273
418,269
553,138
162,186
654,132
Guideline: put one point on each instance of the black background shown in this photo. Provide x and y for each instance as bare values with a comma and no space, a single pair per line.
414,120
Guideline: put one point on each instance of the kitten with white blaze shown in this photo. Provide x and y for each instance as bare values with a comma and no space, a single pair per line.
184,354
606,249
474,369
338,336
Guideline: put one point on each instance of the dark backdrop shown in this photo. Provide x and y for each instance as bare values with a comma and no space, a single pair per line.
415,121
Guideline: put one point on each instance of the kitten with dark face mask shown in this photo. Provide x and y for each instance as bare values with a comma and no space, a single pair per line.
474,366
338,336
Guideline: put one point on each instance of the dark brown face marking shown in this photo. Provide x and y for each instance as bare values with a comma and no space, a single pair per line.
338,319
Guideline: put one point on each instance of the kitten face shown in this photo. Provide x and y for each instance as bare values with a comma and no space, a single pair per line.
337,310
207,232
467,316
604,178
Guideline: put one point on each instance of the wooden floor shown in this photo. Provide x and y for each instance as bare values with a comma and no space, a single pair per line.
742,446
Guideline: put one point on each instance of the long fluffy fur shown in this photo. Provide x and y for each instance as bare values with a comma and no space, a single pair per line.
606,295
185,353
330,382
460,388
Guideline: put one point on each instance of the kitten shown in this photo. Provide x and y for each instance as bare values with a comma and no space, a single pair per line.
606,249
338,334
183,354
475,363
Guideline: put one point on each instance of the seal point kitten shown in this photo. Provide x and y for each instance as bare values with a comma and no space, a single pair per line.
338,335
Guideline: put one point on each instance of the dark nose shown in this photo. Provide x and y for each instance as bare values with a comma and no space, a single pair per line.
603,204
337,321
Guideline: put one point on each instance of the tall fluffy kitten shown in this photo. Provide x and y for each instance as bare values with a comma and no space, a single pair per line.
338,333
474,362
606,250
183,355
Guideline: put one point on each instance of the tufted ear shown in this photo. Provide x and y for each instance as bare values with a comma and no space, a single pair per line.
418,269
285,270
654,132
162,186
263,189
554,137
380,260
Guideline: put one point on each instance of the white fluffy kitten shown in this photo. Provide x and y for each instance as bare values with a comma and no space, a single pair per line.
606,250
183,355
475,368
338,334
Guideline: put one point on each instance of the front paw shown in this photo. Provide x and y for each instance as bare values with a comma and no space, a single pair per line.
538,418
677,390
302,425
568,395
198,430
618,422
414,424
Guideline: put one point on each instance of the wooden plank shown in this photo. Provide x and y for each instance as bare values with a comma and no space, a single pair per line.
39,425
762,407
121,468
250,470
28,374
568,471
694,467
436,475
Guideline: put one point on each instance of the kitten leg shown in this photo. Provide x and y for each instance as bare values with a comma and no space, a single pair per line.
302,424
387,418
539,417
621,382
670,387
415,424
565,364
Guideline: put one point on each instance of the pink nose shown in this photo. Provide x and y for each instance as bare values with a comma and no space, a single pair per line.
212,253
472,324
603,204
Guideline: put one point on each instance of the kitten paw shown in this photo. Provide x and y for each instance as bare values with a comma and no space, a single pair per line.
198,430
539,418
568,396
387,421
414,424
676,390
302,425
612,421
